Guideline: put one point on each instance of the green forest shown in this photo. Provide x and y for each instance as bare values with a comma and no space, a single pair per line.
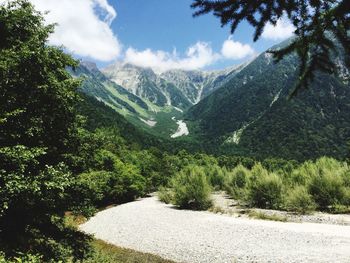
65,155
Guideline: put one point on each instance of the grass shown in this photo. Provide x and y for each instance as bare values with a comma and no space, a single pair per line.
217,210
263,216
108,253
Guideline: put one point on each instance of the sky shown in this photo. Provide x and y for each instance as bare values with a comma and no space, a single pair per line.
161,34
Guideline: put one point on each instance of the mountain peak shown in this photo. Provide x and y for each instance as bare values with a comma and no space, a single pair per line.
91,66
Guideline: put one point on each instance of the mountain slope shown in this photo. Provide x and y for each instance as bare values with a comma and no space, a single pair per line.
139,111
179,88
144,83
251,113
97,85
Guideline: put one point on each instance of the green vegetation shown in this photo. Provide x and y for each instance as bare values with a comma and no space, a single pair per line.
321,185
107,253
191,189
299,200
319,24
28,258
39,133
62,152
311,125
264,216
264,188
237,180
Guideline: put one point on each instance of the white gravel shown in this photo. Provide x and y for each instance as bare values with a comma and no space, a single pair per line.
150,226
182,130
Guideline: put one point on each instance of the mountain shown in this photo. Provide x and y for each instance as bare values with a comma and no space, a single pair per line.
242,110
178,88
99,86
152,117
152,101
146,84
195,84
251,113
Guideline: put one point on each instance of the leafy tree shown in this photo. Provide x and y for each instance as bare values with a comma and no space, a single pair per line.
320,26
38,129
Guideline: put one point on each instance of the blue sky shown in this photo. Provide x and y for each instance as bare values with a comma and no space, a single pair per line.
161,34
168,24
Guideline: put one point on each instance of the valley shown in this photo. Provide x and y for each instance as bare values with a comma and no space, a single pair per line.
231,109
148,99
163,138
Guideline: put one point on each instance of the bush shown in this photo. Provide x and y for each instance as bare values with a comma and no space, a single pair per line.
122,184
264,189
97,186
299,200
166,195
236,181
327,189
21,258
191,189
216,176
128,183
303,174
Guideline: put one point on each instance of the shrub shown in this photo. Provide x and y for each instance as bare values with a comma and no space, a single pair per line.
123,184
263,216
191,189
236,181
128,183
104,160
216,176
166,195
264,189
346,176
327,189
299,200
21,258
96,186
303,174
258,171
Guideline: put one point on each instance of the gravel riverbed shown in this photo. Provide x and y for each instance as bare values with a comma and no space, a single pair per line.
148,225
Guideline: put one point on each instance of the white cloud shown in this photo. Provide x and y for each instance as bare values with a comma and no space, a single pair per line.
84,30
282,30
83,27
197,56
235,50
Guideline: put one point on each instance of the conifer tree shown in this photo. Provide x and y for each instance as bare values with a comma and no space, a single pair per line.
321,27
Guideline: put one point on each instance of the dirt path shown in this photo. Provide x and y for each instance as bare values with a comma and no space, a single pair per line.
188,236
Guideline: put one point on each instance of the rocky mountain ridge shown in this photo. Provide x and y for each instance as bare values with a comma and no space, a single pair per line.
177,87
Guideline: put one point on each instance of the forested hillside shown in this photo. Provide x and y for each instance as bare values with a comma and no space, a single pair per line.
252,113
